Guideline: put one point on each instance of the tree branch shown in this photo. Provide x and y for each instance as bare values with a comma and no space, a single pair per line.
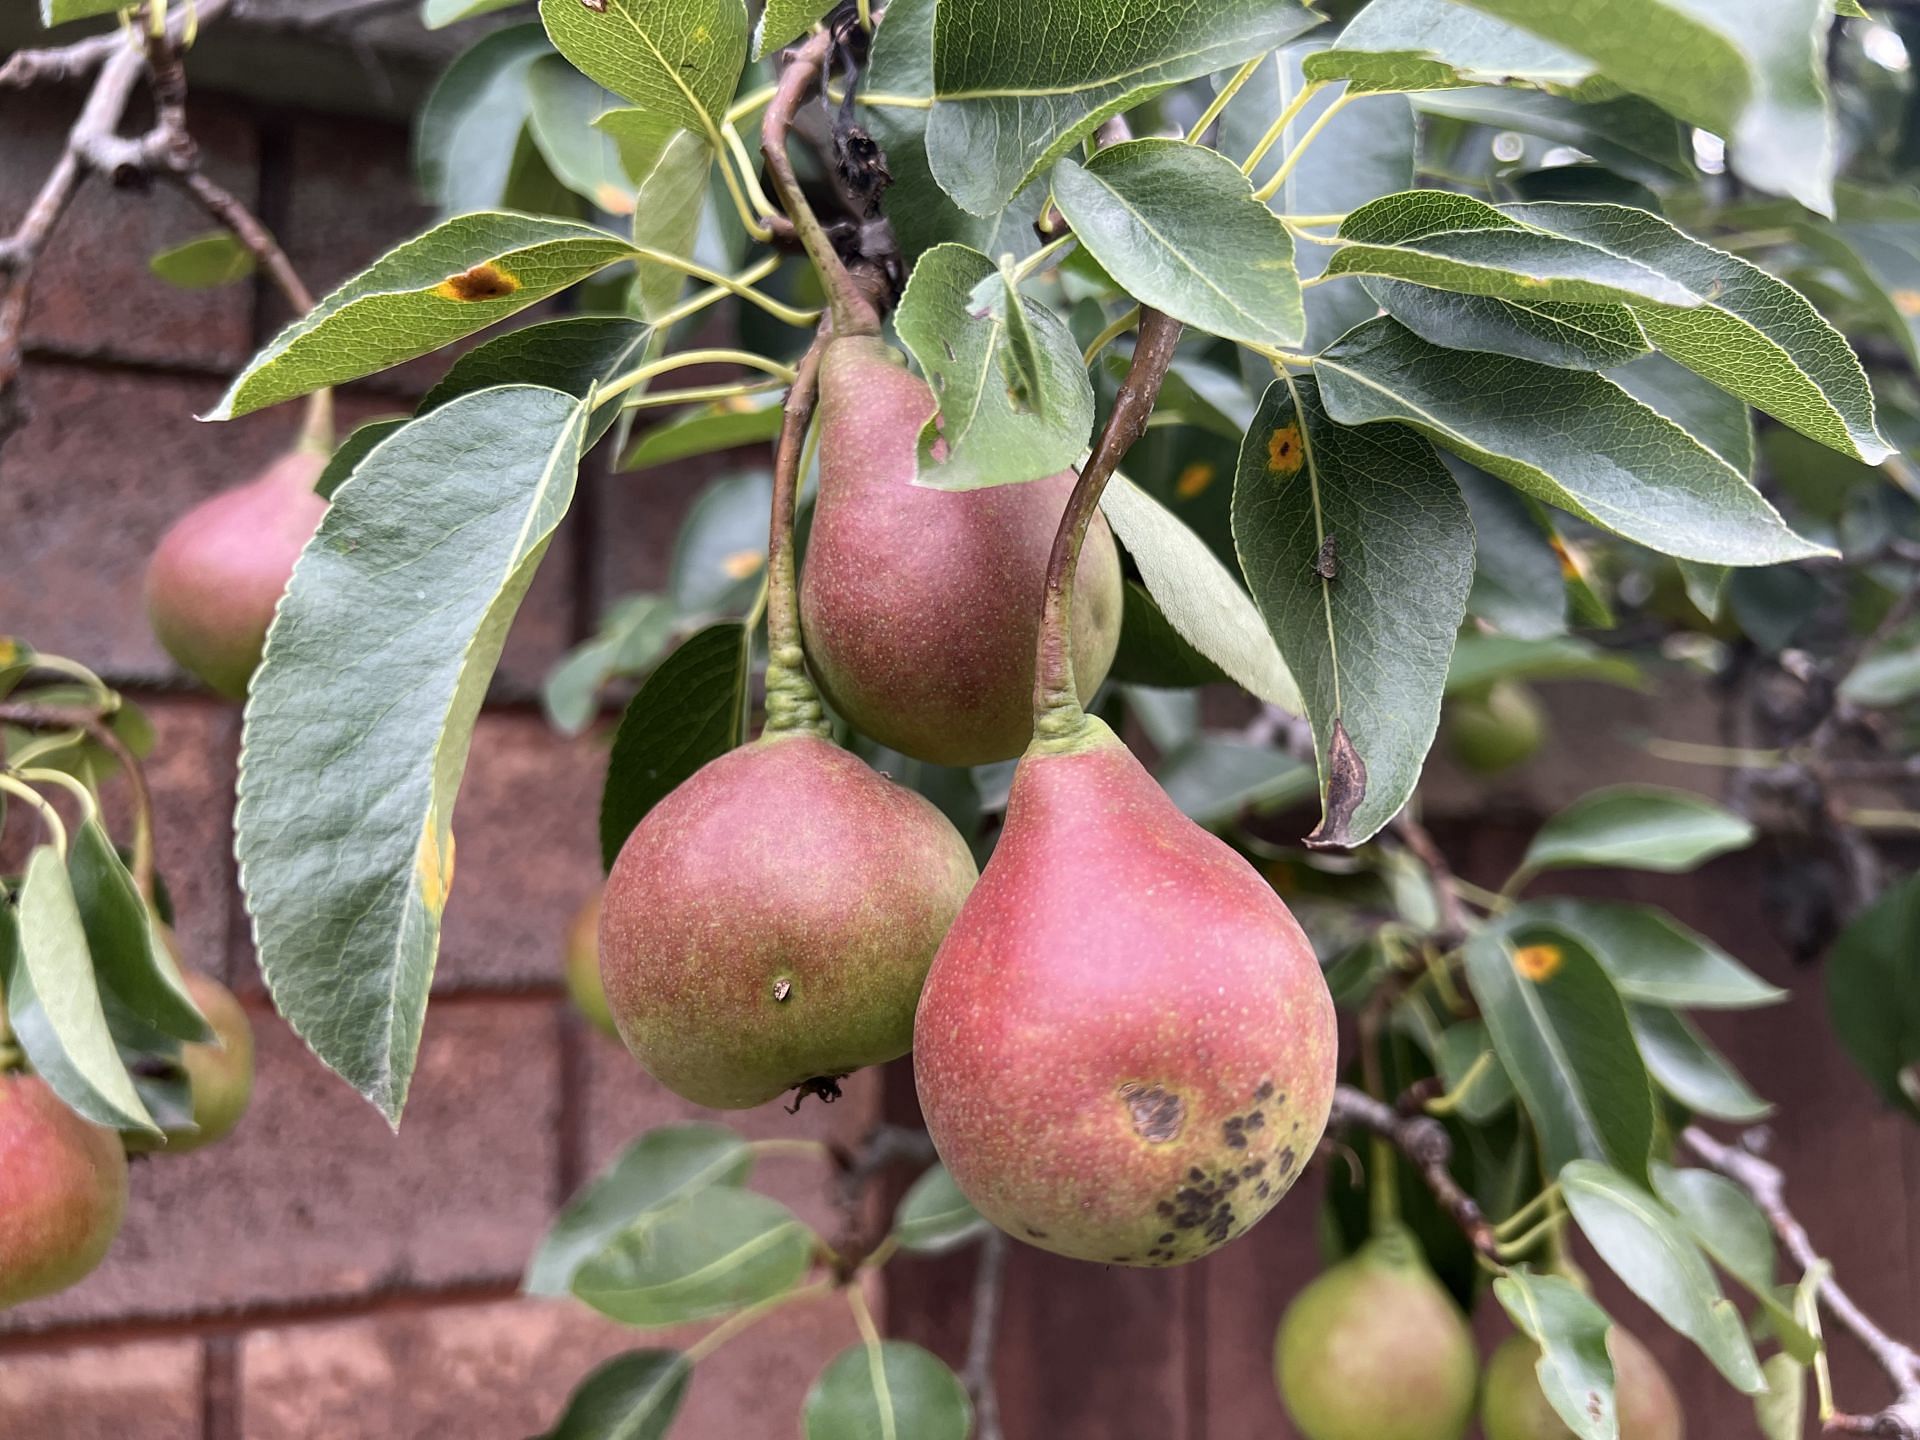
1764,1182
1425,1142
983,1333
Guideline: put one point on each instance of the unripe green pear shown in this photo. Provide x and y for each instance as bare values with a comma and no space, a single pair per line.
1512,1406
768,925
1375,1349
219,1073
63,1191
218,574
584,985
1125,1050
1498,731
921,607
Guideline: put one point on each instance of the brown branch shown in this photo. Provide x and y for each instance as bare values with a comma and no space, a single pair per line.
884,1146
1425,1142
982,1335
1766,1185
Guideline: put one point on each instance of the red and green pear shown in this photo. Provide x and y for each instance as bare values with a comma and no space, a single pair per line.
219,1073
1496,731
1513,1407
63,1191
584,985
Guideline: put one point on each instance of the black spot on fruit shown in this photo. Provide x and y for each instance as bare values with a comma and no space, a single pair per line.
1157,1113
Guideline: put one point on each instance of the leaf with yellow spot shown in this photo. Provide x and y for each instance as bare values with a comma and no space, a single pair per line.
1537,962
1194,480
562,106
679,60
433,867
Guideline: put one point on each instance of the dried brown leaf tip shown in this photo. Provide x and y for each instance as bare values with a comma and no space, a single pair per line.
1346,788
485,281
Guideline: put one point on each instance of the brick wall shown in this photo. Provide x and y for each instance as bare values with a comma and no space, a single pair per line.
319,1277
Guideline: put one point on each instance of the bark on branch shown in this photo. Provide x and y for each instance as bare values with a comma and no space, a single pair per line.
1426,1144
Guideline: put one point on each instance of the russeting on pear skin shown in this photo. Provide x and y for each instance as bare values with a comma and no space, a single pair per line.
768,925
1125,1051
921,606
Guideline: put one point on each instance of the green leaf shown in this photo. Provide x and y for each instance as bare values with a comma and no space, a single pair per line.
1177,226
1725,1222
1883,680
1481,660
563,105
1213,779
691,710
1434,44
731,1249
1015,85
633,1396
1626,134
1654,960
457,278
1648,1248
360,718
935,1217
437,14
887,1391
1637,827
784,21
572,355
59,12
1689,1069
352,450
1456,243
1465,1058
631,638
715,425
1367,625
1873,993
679,60
990,437
720,555
1152,652
1575,1370
1781,1411
1717,419
1754,75
1754,335
656,1172
138,979
668,168
1566,437
1199,598
1517,585
205,262
1883,259
1574,337
467,131
54,1005
1559,1027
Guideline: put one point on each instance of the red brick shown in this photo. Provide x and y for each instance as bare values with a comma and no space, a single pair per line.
506,1369
149,1389
92,291
315,1199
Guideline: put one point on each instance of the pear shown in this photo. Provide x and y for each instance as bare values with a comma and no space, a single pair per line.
920,606
219,1073
1125,1050
1375,1349
63,1191
1512,1406
218,573
767,926
1497,731
583,968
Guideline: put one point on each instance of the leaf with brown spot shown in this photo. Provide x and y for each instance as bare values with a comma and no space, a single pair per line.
480,282
1346,788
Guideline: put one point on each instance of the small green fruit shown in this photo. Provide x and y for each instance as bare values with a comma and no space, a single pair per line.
63,1191
220,1074
1496,732
1513,1407
583,968
1376,1349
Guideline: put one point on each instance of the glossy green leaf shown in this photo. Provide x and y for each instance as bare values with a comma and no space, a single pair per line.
991,437
572,355
1725,1223
656,1172
138,979
1717,419
1753,335
1566,437
53,1002
1561,1030
1882,258
1625,133
633,633
1198,597
1753,74
720,554
1891,677
1480,660
361,716
1152,652
1015,85
435,14
467,132
1689,1069
784,21
1654,960
668,168
887,1391
459,277
730,1249
563,105
1433,44
703,429
1177,226
1517,585
633,1396
351,451
1574,337
1637,827
679,60
1214,779
1367,625
1647,1247
691,710
205,262
935,1217
1873,993
1575,1370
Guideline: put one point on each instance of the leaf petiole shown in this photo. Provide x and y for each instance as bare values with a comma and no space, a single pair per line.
685,358
50,817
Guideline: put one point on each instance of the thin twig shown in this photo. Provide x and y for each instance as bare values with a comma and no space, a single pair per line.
884,1146
1419,840
1764,1182
1425,1142
982,1334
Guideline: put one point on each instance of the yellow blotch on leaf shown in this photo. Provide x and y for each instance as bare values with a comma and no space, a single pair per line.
743,563
1537,962
432,869
613,199
485,281
1907,302
1571,565
1284,450
9,650
1193,480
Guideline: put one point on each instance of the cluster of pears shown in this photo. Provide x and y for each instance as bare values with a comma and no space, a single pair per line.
64,1180
1376,1349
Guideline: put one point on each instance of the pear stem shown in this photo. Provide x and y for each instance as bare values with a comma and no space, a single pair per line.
793,704
1057,716
851,311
